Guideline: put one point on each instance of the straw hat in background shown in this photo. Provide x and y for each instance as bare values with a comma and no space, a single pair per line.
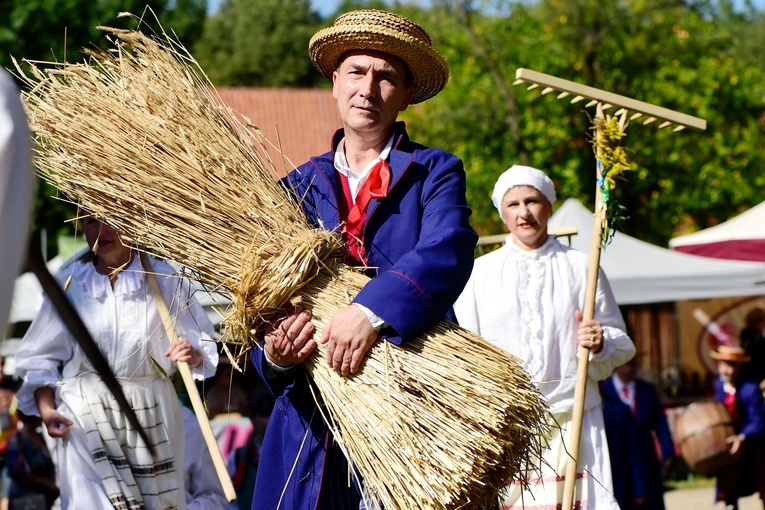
371,29
730,354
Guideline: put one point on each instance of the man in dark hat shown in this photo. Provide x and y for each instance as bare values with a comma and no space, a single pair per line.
744,402
401,209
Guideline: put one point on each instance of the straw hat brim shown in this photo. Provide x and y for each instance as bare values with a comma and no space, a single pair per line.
429,69
731,357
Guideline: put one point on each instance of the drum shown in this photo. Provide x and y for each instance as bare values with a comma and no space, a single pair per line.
700,432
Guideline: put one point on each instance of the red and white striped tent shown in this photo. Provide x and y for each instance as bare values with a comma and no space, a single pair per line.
740,238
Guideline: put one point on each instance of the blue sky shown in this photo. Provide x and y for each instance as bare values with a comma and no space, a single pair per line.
324,7
328,7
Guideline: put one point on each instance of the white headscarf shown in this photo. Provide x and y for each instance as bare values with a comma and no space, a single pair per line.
518,175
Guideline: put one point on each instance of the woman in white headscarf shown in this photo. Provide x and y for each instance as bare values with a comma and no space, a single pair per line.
527,297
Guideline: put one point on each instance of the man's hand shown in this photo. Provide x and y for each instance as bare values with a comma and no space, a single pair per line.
348,336
735,441
182,350
290,341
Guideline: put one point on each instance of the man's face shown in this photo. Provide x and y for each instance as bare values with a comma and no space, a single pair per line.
728,371
628,371
370,88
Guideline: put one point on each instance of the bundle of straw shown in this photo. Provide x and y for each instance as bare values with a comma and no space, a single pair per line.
138,136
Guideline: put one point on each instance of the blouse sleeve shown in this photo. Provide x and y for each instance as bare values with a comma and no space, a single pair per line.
465,308
617,346
191,323
45,347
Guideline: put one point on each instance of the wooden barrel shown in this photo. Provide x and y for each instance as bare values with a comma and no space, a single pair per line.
700,432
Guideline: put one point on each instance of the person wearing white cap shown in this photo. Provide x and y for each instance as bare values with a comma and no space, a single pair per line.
527,297
401,208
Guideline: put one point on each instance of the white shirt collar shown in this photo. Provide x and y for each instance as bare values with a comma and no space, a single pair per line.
129,280
356,179
619,385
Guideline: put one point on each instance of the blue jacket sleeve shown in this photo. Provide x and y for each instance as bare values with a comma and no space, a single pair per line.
419,288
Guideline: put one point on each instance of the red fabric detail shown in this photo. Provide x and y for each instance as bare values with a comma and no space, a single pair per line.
376,186
633,407
730,404
744,249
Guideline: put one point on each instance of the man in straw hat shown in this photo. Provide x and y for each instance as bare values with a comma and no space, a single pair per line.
744,402
402,210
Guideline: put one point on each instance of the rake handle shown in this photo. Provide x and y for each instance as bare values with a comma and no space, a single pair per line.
575,434
191,387
577,414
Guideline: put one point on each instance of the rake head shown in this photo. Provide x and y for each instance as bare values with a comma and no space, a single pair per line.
625,105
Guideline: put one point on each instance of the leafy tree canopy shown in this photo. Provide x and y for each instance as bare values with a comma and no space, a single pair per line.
56,31
260,43
698,58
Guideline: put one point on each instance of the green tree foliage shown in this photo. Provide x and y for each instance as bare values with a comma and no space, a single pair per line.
56,30
260,43
697,58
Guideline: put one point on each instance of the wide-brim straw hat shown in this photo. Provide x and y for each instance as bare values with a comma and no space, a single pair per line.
372,29
730,354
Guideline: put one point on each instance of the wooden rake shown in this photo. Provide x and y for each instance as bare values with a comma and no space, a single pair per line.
625,108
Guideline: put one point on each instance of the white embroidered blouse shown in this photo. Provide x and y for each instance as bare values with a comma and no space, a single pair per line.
124,322
525,302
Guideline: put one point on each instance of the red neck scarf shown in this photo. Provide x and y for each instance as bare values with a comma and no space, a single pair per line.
376,186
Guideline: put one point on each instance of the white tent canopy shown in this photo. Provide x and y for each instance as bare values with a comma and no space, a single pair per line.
740,238
640,272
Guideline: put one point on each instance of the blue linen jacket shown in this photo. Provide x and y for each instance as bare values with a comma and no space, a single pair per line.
747,470
649,420
750,408
419,239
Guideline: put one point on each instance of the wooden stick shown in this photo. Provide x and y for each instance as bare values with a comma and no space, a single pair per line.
191,387
575,433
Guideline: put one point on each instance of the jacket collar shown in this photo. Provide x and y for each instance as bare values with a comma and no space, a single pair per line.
399,160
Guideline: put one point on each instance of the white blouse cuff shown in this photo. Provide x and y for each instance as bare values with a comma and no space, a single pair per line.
26,394
209,356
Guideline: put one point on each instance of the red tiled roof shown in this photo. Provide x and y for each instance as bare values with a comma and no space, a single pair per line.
304,119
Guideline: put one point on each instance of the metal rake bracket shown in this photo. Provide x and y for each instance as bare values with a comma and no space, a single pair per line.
636,109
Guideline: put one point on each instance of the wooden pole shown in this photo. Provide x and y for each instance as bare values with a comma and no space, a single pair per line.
575,433
191,387
651,114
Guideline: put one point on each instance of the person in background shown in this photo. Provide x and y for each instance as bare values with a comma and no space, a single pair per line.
744,402
627,461
30,467
101,460
203,487
243,462
401,208
753,342
624,391
224,395
526,297
9,421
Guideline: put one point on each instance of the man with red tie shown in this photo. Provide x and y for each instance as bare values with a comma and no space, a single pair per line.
401,208
633,403
744,402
